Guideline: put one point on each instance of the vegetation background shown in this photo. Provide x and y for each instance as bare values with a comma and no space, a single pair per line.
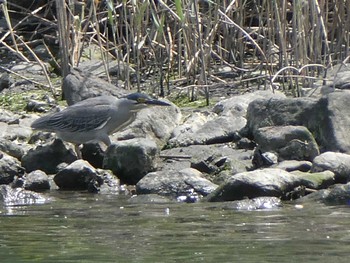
193,45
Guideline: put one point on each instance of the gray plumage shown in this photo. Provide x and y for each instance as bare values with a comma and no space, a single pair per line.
94,119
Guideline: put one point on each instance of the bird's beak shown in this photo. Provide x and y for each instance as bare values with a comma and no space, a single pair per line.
156,102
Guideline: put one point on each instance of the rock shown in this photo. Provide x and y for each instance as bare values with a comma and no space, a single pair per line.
326,118
132,159
289,142
155,123
8,117
316,180
337,195
186,182
338,163
36,181
338,111
211,159
80,85
306,112
265,182
79,175
207,129
238,105
10,196
4,81
294,165
47,157
9,168
111,184
13,149
259,203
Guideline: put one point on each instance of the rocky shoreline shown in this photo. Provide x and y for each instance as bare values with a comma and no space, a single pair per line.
255,149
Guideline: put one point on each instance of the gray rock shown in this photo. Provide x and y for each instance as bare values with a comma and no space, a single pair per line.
338,110
283,112
155,123
12,148
80,85
36,181
337,195
79,175
326,118
186,182
265,182
132,159
294,165
211,159
47,157
319,180
338,163
10,196
9,168
237,105
217,129
289,142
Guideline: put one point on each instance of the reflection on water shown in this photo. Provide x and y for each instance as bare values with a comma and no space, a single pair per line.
78,227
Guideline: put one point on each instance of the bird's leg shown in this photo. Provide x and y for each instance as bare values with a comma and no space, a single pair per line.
77,151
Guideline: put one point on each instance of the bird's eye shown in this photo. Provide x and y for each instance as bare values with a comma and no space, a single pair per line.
141,100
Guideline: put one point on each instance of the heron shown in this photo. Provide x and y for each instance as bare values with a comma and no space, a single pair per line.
94,119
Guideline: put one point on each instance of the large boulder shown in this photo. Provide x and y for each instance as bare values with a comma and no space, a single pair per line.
78,175
155,123
47,157
289,142
338,163
326,118
132,159
264,182
10,167
173,183
80,85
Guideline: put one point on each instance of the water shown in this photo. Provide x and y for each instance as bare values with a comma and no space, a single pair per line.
80,227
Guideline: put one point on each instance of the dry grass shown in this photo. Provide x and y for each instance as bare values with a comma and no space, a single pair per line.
184,42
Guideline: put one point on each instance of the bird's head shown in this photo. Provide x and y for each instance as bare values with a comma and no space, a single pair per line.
140,101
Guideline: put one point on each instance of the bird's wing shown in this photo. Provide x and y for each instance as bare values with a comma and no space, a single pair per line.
75,119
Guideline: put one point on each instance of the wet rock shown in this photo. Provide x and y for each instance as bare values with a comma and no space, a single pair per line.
259,203
36,181
79,175
338,163
264,182
337,195
9,168
110,185
187,182
47,157
80,85
319,180
289,142
132,159
10,196
294,165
